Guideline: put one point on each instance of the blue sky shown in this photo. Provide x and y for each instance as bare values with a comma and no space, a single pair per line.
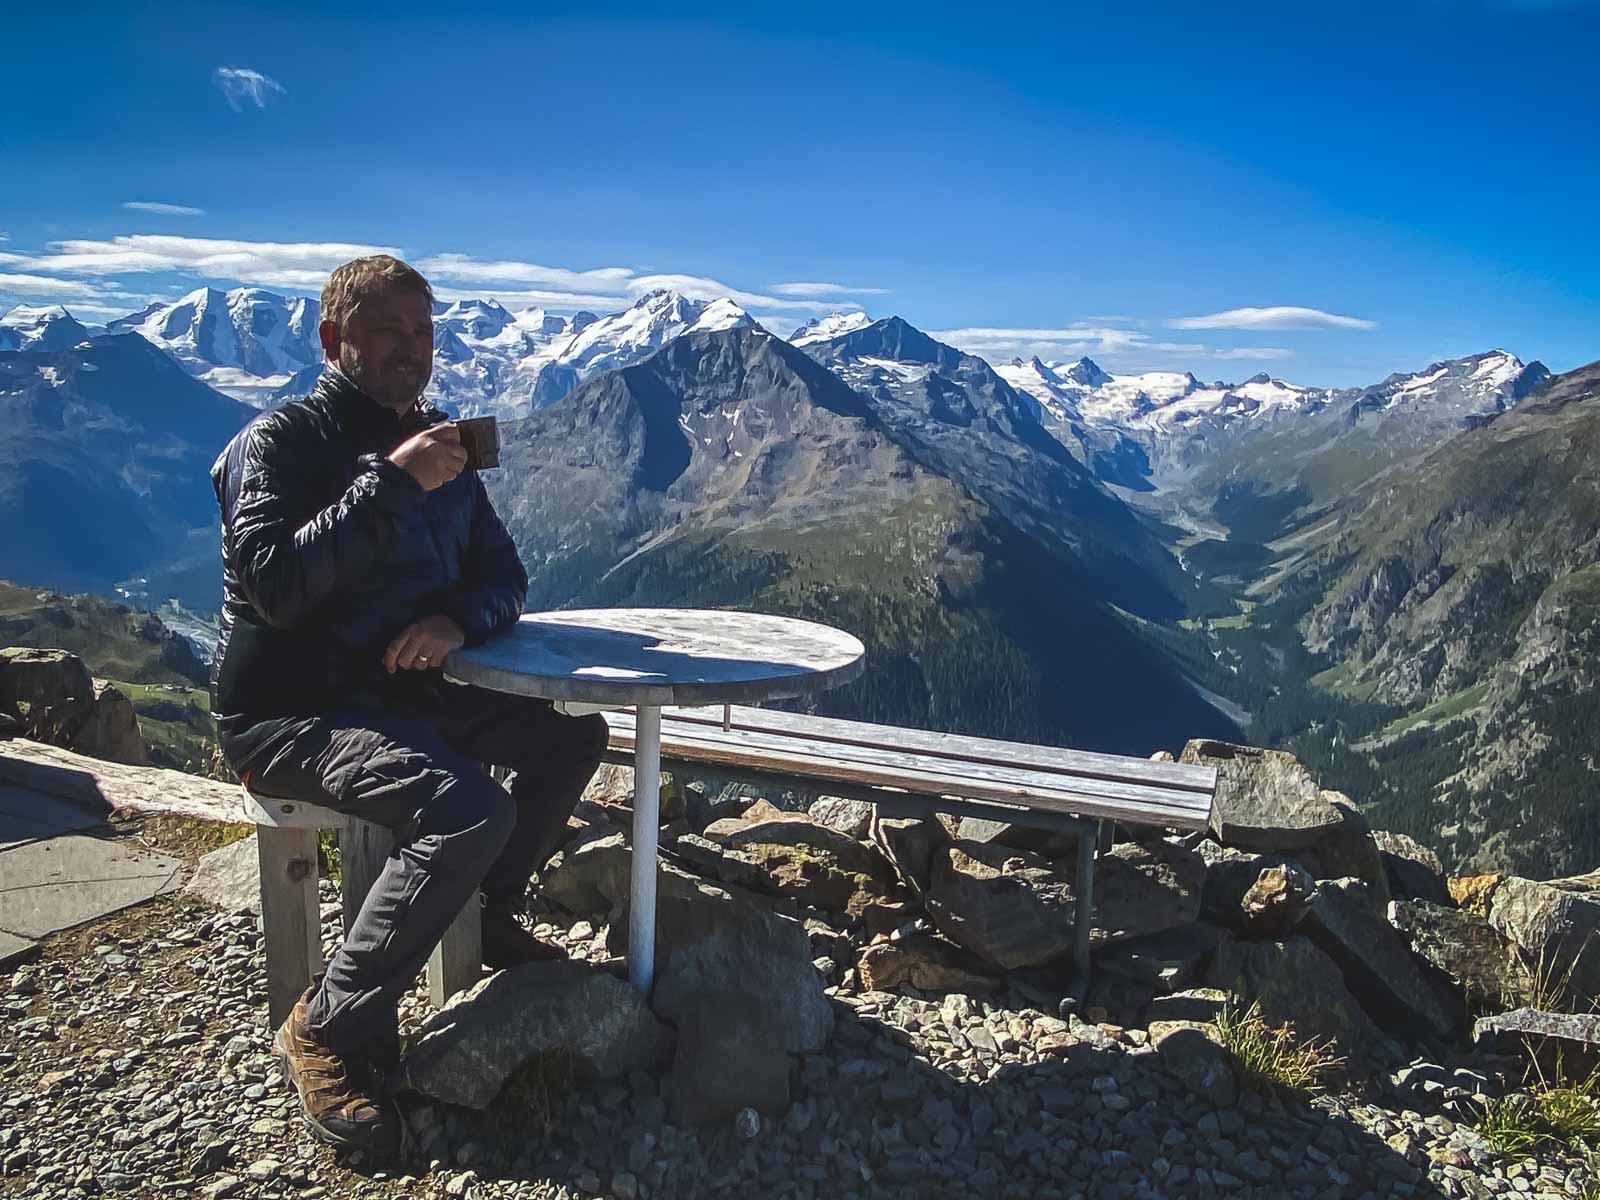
1328,192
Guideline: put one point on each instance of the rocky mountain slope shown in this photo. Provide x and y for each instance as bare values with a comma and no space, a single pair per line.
730,468
1454,611
104,454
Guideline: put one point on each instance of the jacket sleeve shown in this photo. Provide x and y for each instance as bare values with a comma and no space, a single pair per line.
288,565
494,583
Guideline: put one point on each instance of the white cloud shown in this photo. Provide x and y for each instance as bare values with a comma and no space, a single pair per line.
517,298
466,269
1254,352
826,289
45,285
271,264
1281,316
621,284
166,210
241,85
4,236
1124,348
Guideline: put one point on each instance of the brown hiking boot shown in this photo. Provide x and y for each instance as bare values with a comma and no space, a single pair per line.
338,1104
507,943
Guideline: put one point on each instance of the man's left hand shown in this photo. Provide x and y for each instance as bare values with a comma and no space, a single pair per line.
422,645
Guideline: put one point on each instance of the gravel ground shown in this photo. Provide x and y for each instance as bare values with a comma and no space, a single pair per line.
134,1060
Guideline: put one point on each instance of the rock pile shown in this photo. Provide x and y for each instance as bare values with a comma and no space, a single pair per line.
851,1006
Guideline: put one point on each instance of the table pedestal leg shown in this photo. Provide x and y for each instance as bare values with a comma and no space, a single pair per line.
646,826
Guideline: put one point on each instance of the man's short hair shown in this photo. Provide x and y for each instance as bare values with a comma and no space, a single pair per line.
362,278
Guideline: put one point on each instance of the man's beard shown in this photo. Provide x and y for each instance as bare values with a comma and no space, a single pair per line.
396,388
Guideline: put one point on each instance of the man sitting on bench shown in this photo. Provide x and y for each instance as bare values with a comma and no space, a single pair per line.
358,553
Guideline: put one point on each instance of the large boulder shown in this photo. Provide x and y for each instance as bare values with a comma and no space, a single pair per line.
853,818
592,876
1192,1052
110,730
1015,909
924,961
1556,926
1378,966
730,1056
51,691
1414,872
813,875
229,878
1508,1031
1467,949
710,940
1266,800
1298,985
1141,888
470,1047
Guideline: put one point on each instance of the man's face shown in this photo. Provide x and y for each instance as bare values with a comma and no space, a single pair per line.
386,346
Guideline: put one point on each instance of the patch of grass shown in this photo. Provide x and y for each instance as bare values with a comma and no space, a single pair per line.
187,836
329,862
1440,711
1273,1056
1566,1115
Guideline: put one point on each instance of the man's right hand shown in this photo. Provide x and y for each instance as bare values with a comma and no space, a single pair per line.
433,457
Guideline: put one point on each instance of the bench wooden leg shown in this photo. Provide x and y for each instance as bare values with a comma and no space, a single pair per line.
457,961
289,921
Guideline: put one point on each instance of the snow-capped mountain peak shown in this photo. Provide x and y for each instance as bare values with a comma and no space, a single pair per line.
43,327
822,329
247,342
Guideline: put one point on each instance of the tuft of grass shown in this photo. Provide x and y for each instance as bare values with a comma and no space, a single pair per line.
1565,1115
1513,1126
1273,1056
328,857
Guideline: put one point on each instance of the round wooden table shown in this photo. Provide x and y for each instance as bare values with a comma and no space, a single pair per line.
645,658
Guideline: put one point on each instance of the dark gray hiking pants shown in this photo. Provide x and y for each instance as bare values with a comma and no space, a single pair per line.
459,830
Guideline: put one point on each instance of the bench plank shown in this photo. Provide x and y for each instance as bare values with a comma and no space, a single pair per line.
956,747
793,755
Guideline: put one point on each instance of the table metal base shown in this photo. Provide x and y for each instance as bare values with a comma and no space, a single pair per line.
646,827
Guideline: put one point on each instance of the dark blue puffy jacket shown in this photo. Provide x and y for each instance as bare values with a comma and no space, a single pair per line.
329,550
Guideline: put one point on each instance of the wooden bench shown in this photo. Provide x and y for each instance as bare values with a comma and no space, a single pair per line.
913,772
286,839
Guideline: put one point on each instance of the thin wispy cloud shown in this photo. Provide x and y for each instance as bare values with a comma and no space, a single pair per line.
543,298
165,210
270,264
826,289
1123,347
46,285
586,288
304,266
465,269
1281,316
242,86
